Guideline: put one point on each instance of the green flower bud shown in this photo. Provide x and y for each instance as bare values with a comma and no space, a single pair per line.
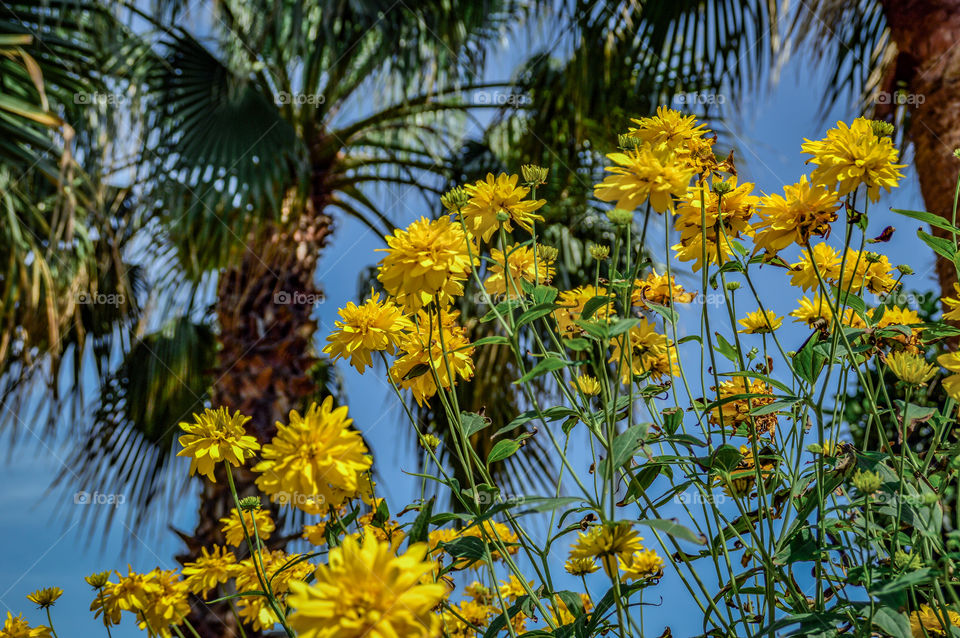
249,503
599,252
867,483
881,128
620,217
534,175
455,199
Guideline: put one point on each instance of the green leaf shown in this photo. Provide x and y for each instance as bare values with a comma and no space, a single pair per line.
624,445
544,294
622,325
673,529
469,547
489,341
548,364
594,304
941,246
578,344
535,313
934,220
416,371
672,418
473,423
669,314
419,531
502,450
776,406
726,348
892,622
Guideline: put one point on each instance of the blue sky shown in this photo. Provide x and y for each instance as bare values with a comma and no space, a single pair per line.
42,550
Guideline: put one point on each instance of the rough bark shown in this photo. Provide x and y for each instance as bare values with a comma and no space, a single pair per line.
927,36
264,307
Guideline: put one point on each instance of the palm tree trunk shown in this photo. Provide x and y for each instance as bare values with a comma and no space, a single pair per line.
264,307
927,35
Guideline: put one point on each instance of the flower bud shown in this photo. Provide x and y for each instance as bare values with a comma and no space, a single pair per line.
599,252
249,503
547,252
534,175
99,579
455,199
430,442
620,217
881,128
867,483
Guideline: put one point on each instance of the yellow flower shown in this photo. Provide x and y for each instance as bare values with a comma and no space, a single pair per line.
167,605
375,326
422,353
45,597
315,534
479,593
315,461
719,228
522,266
490,197
853,155
644,173
760,322
565,616
570,306
581,566
860,270
489,530
427,259
649,352
367,591
216,436
641,565
18,627
456,621
671,130
953,303
209,570
827,260
587,384
233,530
254,610
818,311
951,361
928,623
804,210
608,542
512,588
734,413
659,289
